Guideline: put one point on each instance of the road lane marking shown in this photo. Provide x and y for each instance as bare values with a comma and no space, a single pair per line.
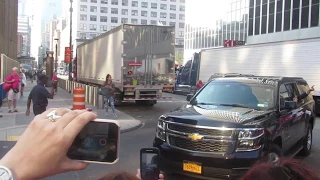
13,138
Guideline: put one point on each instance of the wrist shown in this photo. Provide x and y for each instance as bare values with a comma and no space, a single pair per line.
16,173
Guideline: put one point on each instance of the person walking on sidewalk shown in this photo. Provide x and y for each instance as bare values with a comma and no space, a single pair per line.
39,96
14,80
23,81
55,81
110,95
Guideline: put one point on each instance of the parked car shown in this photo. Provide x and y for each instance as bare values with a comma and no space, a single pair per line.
231,123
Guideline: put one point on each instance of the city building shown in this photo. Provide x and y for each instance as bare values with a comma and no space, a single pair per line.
93,17
24,30
252,21
19,44
8,28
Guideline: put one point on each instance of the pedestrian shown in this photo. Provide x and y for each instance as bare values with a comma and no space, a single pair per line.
39,96
199,85
14,80
23,81
55,81
110,95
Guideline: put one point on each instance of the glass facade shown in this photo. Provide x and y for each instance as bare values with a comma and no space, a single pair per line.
228,21
270,16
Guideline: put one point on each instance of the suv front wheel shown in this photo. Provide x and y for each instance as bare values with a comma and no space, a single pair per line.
274,154
307,142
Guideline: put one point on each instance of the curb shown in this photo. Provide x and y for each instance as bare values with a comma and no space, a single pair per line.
132,128
14,127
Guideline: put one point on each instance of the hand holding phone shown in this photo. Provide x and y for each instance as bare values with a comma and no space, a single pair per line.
149,163
98,142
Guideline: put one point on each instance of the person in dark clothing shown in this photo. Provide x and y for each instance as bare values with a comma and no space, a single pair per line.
39,96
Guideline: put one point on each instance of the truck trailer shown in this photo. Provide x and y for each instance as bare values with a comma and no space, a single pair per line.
140,59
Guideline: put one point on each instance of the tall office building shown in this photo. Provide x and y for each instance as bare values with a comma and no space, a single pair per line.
252,21
94,17
24,30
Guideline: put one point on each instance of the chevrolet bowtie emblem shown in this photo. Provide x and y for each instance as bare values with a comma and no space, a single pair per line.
195,137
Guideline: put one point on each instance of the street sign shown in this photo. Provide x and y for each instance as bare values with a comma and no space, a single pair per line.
232,43
67,55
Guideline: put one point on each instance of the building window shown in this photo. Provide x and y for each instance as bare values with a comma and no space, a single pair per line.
83,17
134,21
286,20
315,13
144,13
172,16
83,35
125,3
134,4
271,17
93,8
144,4
182,1
173,0
295,14
181,16
173,7
182,8
172,24
163,6
103,19
83,8
83,26
114,2
93,18
94,1
163,15
153,14
163,22
93,27
114,10
181,25
305,14
153,22
103,28
114,19
134,12
124,20
104,1
83,1
251,11
181,34
154,5
103,9
279,16
124,11
144,22
93,35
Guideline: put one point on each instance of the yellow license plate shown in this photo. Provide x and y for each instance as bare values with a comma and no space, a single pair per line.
192,167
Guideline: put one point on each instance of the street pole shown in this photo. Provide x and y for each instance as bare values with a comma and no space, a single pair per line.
71,53
56,59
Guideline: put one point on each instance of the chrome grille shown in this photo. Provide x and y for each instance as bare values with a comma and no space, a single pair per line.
202,131
200,146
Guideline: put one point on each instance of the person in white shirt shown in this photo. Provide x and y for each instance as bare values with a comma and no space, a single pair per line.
23,81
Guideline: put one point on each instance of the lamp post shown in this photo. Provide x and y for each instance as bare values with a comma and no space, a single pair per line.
56,58
71,53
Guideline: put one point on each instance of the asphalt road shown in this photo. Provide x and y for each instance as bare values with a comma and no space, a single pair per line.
132,142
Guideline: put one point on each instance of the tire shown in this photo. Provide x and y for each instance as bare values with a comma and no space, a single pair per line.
307,142
274,153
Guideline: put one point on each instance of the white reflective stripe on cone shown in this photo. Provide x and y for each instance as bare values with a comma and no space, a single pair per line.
78,95
78,103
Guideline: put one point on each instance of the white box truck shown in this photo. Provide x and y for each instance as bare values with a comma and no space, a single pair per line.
140,59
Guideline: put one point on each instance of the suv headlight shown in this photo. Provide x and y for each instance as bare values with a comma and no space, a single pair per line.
249,139
161,129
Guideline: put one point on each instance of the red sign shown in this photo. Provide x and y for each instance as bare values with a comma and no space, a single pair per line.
231,43
67,55
135,63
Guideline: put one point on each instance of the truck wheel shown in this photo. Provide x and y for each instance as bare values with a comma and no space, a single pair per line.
274,153
307,142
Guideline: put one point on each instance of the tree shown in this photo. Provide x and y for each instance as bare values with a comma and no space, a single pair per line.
179,57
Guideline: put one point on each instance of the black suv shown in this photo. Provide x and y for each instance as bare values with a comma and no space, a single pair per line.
233,122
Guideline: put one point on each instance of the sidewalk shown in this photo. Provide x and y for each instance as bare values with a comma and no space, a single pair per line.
12,125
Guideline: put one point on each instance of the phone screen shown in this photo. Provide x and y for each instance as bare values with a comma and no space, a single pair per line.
97,141
149,166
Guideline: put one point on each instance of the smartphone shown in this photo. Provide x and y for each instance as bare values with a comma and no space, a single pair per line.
149,163
98,142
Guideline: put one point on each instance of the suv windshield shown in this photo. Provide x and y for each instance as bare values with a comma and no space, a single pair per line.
239,94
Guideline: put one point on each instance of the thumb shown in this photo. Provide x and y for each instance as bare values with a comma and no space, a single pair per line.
72,165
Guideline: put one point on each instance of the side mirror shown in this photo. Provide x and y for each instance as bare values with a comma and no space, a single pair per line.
290,105
189,96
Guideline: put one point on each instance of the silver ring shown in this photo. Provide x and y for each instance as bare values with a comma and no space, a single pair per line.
52,116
